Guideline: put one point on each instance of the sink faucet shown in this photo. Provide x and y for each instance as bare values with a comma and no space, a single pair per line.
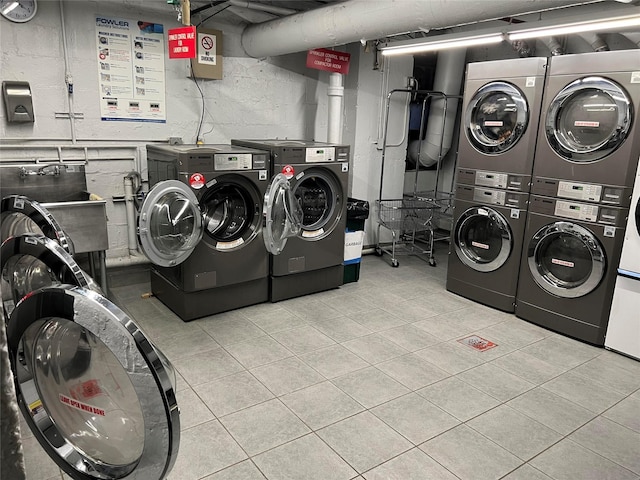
50,170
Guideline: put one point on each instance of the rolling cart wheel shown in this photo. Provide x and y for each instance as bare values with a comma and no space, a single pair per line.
378,252
395,263
432,262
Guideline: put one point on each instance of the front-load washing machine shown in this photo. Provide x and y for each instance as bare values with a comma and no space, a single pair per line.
319,175
101,399
623,333
201,225
589,140
501,111
486,243
568,267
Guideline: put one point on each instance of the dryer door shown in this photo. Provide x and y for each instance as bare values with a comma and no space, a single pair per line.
282,214
589,119
169,223
91,387
496,117
320,196
483,239
29,262
20,215
566,259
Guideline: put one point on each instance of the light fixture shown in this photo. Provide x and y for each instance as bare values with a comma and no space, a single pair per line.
433,45
609,24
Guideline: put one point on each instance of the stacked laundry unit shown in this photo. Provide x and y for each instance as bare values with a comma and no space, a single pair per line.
623,331
501,111
586,157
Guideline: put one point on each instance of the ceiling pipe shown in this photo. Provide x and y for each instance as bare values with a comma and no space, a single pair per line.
356,20
553,45
262,7
596,41
634,37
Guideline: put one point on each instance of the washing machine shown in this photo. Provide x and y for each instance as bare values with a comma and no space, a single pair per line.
201,225
501,109
569,265
101,401
623,332
486,243
589,141
319,174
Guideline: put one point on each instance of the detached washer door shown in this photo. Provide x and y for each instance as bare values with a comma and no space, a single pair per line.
566,259
589,119
483,239
23,215
169,223
496,118
282,215
92,387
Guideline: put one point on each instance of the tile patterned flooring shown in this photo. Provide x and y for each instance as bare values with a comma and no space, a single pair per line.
369,382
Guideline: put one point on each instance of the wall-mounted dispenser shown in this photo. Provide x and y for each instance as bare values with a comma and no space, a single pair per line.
18,101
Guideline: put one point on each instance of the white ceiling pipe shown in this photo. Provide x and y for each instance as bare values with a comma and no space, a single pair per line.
262,7
334,122
355,20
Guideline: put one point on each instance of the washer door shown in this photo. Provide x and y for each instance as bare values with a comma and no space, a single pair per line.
320,197
91,386
589,118
483,239
169,223
20,215
29,262
566,260
496,118
231,212
282,214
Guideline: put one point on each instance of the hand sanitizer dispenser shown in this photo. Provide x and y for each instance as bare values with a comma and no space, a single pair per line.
18,101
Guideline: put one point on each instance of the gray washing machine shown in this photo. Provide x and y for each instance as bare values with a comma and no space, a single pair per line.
101,402
201,227
319,174
487,238
501,111
589,141
568,267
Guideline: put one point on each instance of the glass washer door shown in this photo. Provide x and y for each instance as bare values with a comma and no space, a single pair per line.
589,119
169,223
566,259
483,239
320,198
91,387
282,215
20,214
496,118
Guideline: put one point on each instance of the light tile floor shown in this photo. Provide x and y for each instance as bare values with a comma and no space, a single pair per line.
368,381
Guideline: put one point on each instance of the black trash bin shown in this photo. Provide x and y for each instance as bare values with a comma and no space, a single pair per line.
357,213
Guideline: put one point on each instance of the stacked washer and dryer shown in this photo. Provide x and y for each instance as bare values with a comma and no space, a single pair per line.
495,160
586,157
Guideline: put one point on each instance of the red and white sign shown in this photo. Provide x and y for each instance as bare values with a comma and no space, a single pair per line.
479,343
182,42
85,407
196,181
564,263
584,123
480,245
288,171
328,60
493,123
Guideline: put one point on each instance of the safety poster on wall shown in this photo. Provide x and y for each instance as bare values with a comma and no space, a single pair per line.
131,70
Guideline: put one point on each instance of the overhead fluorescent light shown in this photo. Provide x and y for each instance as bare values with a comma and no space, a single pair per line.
610,24
430,46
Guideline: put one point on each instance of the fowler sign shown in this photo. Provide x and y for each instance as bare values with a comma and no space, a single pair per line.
328,60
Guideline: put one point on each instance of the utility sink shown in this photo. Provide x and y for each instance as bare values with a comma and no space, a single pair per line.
85,222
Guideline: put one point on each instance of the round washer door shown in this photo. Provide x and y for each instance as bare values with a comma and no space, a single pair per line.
496,118
91,387
320,197
29,262
282,214
483,239
20,214
169,223
566,260
589,119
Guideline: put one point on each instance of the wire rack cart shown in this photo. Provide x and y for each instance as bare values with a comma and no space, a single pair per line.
413,219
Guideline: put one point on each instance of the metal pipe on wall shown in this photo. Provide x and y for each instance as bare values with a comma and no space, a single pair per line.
68,79
334,121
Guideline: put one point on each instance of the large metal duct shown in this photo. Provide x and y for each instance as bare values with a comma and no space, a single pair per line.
356,20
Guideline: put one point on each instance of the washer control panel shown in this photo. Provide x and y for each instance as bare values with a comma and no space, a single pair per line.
587,192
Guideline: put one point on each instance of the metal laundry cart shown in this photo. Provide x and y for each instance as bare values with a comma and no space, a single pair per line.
413,219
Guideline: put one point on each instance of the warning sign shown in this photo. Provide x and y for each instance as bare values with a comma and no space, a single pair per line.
80,405
196,181
206,49
182,42
328,60
288,171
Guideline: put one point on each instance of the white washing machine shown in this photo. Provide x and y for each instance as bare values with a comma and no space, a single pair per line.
623,333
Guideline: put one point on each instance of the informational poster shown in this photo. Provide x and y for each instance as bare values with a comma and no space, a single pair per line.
131,70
